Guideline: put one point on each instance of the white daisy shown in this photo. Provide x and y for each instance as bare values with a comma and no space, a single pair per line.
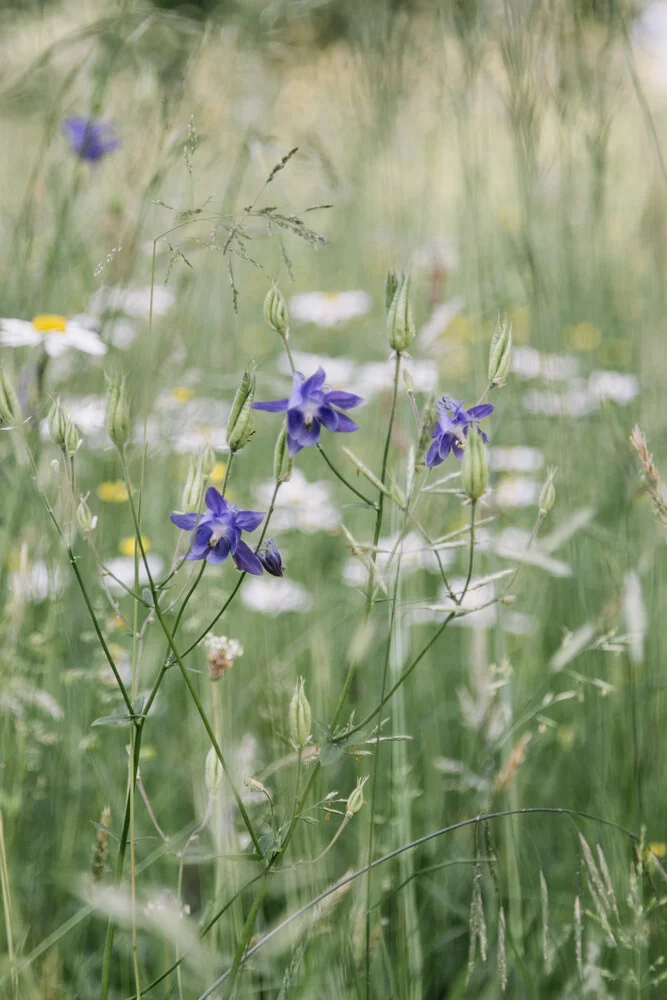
527,362
275,596
122,568
519,458
378,376
340,371
616,386
56,333
516,491
301,505
415,555
329,309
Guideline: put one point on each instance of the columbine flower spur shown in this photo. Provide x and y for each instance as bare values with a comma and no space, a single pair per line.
218,532
454,423
311,405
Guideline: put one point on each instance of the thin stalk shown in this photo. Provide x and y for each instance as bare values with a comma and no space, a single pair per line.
471,557
346,482
7,907
244,941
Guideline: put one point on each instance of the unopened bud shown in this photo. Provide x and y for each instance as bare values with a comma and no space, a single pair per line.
212,772
72,440
240,424
299,716
400,325
428,416
194,486
500,353
57,422
283,462
207,460
356,799
257,786
118,411
86,520
390,286
10,408
270,558
548,493
275,311
475,471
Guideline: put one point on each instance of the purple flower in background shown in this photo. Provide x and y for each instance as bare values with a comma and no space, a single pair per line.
218,532
270,558
454,423
311,405
88,139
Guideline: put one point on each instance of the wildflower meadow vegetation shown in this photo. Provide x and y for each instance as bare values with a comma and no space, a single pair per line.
332,378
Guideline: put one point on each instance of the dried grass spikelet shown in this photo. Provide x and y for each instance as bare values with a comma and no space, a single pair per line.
476,923
650,475
512,764
578,936
544,907
502,953
101,850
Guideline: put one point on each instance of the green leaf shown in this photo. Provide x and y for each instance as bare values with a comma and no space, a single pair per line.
330,753
119,719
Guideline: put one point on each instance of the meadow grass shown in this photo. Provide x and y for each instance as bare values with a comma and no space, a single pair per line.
509,156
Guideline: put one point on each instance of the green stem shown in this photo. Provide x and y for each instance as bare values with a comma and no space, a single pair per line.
244,941
343,480
471,557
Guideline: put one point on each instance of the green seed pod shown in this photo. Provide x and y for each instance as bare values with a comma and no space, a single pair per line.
475,472
57,422
299,716
356,799
10,408
275,311
85,518
239,425
428,417
400,325
390,286
282,460
194,486
500,354
547,494
207,461
72,440
118,419
212,772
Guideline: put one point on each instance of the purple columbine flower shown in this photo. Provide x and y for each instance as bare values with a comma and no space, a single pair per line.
88,139
218,533
311,405
270,558
454,423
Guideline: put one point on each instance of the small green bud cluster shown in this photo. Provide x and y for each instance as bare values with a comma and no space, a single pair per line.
62,431
428,417
118,419
240,426
500,354
10,408
283,462
356,798
85,518
300,716
475,471
547,494
275,311
400,324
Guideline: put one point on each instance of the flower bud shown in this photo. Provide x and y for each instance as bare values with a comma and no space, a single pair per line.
275,311
356,799
283,462
400,325
500,354
72,440
270,558
240,425
299,716
118,411
57,422
390,286
10,408
475,472
87,522
428,416
547,494
194,486
207,460
212,772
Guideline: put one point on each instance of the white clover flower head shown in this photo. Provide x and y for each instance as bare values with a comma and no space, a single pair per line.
222,652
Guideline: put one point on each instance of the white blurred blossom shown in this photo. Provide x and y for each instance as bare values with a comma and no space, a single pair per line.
275,596
300,505
328,309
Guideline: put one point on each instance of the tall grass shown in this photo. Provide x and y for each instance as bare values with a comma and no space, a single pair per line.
509,156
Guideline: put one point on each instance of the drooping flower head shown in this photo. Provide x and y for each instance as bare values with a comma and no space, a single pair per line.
88,139
270,558
310,406
218,532
452,428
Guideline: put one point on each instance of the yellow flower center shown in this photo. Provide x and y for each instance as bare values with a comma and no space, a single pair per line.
218,474
50,323
128,545
182,393
332,296
112,492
